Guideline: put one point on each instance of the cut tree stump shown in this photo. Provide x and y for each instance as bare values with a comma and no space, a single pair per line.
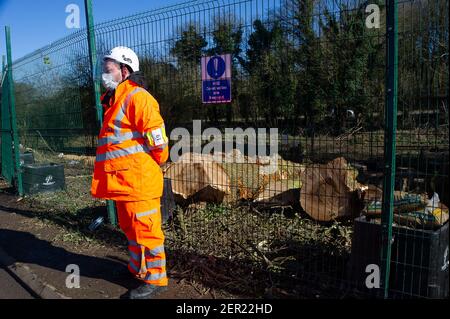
330,191
198,182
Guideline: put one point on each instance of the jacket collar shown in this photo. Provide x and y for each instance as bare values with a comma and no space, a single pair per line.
134,80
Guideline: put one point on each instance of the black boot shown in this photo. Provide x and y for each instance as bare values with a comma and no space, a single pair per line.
146,291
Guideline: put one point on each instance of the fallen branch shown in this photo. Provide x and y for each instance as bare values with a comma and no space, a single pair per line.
261,254
45,142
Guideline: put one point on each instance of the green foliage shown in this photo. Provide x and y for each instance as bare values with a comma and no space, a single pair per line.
348,63
269,66
189,48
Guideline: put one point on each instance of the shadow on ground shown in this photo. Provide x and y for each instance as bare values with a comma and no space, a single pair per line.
29,249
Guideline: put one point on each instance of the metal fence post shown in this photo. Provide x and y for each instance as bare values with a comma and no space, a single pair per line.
389,138
1,107
2,129
15,136
93,61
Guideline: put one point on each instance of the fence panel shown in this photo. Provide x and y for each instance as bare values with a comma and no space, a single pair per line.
7,161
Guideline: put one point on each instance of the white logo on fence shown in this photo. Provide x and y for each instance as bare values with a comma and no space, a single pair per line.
255,143
48,181
373,20
373,280
73,280
445,265
73,19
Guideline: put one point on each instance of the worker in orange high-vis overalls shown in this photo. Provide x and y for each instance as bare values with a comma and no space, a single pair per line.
131,147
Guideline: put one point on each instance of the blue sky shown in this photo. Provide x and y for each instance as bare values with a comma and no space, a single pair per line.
36,23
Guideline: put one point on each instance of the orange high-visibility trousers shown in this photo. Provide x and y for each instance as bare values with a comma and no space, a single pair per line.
141,223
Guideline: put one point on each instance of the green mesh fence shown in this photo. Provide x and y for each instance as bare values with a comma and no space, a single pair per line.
317,72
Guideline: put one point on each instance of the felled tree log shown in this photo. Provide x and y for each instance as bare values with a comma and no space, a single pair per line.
330,191
198,182
280,193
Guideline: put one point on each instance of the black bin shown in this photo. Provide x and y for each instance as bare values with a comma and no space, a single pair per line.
419,260
38,178
167,201
26,158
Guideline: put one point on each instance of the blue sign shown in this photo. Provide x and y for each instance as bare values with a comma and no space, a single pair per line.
216,79
216,67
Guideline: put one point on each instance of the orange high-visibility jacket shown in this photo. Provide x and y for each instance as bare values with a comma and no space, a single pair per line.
132,144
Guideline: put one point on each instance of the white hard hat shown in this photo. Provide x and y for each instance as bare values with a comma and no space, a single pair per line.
124,55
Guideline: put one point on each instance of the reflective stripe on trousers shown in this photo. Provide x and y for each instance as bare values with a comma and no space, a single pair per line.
141,223
152,266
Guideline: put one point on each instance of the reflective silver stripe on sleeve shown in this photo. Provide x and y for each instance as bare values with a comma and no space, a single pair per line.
121,152
116,139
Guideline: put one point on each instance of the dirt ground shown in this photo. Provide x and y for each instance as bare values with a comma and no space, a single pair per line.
48,248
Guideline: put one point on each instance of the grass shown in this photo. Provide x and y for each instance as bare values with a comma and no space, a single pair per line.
218,229
75,237
75,198
274,249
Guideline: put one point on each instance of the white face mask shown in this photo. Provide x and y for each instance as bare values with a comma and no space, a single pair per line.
108,81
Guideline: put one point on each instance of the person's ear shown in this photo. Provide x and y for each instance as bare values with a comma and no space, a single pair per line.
124,71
